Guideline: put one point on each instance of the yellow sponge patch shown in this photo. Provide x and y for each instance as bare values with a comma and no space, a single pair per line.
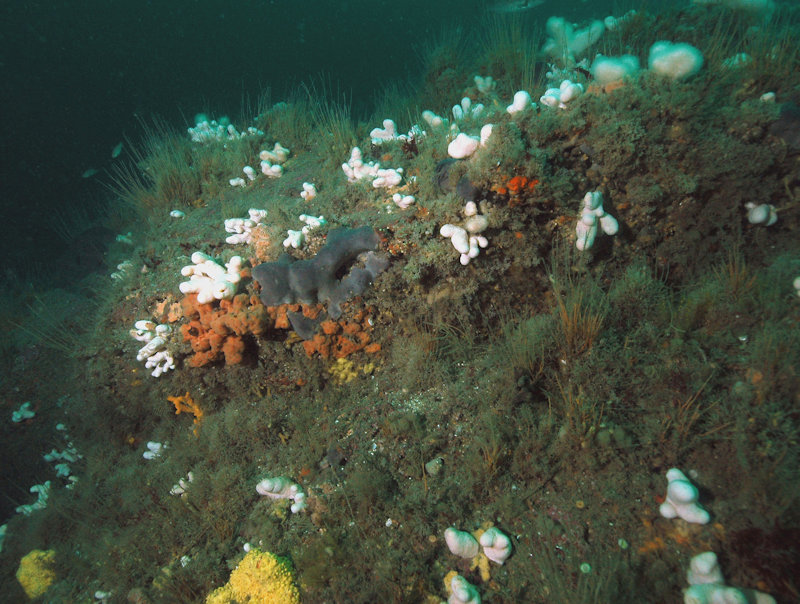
35,572
260,577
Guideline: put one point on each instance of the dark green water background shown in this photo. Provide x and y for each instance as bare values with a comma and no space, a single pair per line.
76,75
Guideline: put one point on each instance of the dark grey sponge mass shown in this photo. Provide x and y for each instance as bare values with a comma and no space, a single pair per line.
316,279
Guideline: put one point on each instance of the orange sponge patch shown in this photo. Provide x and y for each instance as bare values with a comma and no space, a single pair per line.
185,404
218,333
342,338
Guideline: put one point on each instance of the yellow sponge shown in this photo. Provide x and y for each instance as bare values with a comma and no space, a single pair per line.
260,577
35,572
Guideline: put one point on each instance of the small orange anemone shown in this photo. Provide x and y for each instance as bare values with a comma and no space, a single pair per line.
516,186
519,184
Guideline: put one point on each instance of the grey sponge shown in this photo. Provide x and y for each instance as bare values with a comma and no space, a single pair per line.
316,279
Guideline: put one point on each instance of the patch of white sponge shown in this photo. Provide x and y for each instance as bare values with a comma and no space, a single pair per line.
209,279
154,353
591,214
242,228
357,169
283,488
463,592
707,585
681,500
676,61
495,543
